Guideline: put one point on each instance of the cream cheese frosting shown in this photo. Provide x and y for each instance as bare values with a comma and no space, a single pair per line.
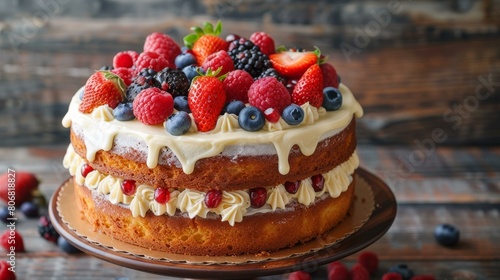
235,205
100,130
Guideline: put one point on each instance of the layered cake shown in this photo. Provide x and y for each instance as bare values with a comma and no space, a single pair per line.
219,147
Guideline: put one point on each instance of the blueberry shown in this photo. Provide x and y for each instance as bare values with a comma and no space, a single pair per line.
181,103
251,119
29,209
446,235
5,214
178,124
403,270
234,107
124,112
191,71
293,114
184,59
66,246
332,99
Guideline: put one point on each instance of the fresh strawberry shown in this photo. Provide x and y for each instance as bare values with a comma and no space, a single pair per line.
18,186
217,60
392,276
205,41
102,88
6,271
369,260
309,88
127,74
163,45
338,271
292,65
330,78
152,60
267,93
12,240
206,99
152,106
299,275
125,59
359,272
236,84
264,42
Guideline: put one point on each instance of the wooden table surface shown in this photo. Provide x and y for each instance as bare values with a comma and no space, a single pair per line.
456,185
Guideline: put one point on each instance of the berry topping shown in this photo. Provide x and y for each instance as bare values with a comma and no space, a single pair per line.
330,78
338,271
179,123
126,74
26,184
359,272
213,198
29,209
258,197
236,84
206,99
205,41
369,260
46,229
271,72
192,71
264,41
152,106
124,112
251,119
318,182
292,65
292,187
446,235
309,88
5,272
128,187
403,270
392,276
234,107
66,246
293,114
247,56
125,59
184,59
299,275
11,240
86,169
175,80
332,99
181,104
218,60
162,195
152,60
272,115
231,37
145,79
268,93
102,88
163,45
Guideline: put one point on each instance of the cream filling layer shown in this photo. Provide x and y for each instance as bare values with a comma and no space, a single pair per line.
100,129
234,205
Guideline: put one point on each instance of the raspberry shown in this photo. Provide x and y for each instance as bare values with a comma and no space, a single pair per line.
217,60
269,93
153,106
162,44
299,275
5,272
359,272
126,74
264,41
11,239
337,271
369,260
236,84
125,59
152,60
392,276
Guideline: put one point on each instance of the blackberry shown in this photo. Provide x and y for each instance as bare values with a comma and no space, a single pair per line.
144,80
247,56
174,81
46,229
271,72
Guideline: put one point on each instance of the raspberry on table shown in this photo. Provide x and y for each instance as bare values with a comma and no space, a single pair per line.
152,106
369,260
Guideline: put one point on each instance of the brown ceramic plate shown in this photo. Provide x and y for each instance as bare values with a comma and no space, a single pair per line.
375,227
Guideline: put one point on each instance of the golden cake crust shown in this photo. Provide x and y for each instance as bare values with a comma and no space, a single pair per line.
181,235
226,173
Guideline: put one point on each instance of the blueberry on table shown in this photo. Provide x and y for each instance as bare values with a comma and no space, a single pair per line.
5,214
403,270
66,246
29,209
446,235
